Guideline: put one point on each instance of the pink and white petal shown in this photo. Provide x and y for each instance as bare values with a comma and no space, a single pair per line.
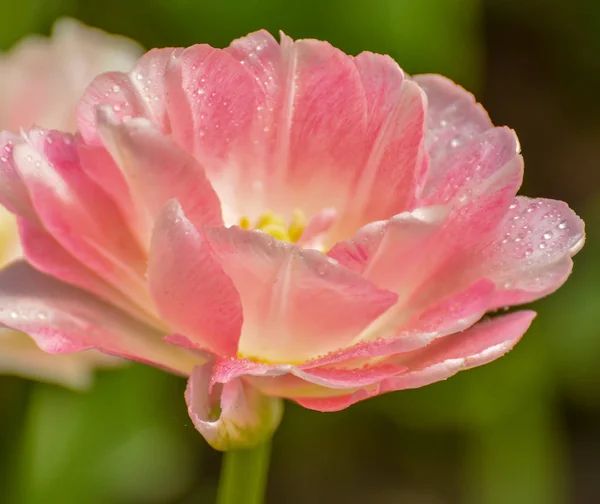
531,255
320,125
297,303
44,253
349,377
64,319
226,370
491,160
139,93
316,228
189,287
481,344
454,118
142,152
13,192
383,252
452,314
395,162
312,120
233,415
213,104
76,211
20,356
99,166
417,254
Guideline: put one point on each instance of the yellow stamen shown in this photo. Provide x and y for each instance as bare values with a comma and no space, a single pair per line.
245,223
275,225
297,226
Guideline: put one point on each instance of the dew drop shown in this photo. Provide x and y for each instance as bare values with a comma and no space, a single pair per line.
116,107
513,206
562,224
116,88
543,245
547,235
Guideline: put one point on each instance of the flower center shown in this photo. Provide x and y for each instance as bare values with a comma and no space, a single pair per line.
275,225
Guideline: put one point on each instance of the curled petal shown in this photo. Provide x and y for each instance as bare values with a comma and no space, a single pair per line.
349,377
233,415
482,343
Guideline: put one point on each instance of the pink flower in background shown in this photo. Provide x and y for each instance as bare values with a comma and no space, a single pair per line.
278,221
41,81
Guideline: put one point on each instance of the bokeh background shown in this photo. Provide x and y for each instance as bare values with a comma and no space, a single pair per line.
523,430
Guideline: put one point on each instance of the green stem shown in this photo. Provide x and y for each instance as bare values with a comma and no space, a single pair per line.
244,475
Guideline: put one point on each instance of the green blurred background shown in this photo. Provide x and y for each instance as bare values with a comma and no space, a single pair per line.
525,429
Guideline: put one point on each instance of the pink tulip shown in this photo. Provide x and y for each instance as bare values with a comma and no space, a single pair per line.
41,81
279,220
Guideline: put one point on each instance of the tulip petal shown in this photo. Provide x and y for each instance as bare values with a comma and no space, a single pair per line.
292,297
476,168
143,152
531,256
64,319
348,378
454,119
233,415
13,192
78,214
395,161
190,289
47,255
312,119
139,93
479,345
20,356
